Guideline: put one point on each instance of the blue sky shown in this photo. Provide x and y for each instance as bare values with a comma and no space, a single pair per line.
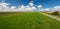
44,3
29,5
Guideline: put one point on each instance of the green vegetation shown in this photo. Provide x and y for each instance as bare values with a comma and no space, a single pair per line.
55,13
28,20
6,14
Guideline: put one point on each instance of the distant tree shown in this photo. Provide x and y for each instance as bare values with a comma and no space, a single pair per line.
55,13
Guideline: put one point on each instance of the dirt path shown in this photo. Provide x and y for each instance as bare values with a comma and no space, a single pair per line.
54,17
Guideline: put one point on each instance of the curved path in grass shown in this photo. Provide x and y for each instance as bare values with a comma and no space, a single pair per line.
30,20
51,16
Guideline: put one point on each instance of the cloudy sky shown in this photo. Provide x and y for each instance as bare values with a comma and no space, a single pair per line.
29,5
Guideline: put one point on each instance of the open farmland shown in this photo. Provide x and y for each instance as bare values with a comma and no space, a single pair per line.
27,20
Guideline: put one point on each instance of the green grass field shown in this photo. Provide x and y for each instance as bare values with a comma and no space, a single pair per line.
27,20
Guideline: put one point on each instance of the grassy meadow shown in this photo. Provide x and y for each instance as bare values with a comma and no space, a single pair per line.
27,20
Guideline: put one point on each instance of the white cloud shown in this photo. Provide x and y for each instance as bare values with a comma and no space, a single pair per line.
13,7
22,8
39,6
5,7
31,8
26,8
47,9
31,3
57,8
